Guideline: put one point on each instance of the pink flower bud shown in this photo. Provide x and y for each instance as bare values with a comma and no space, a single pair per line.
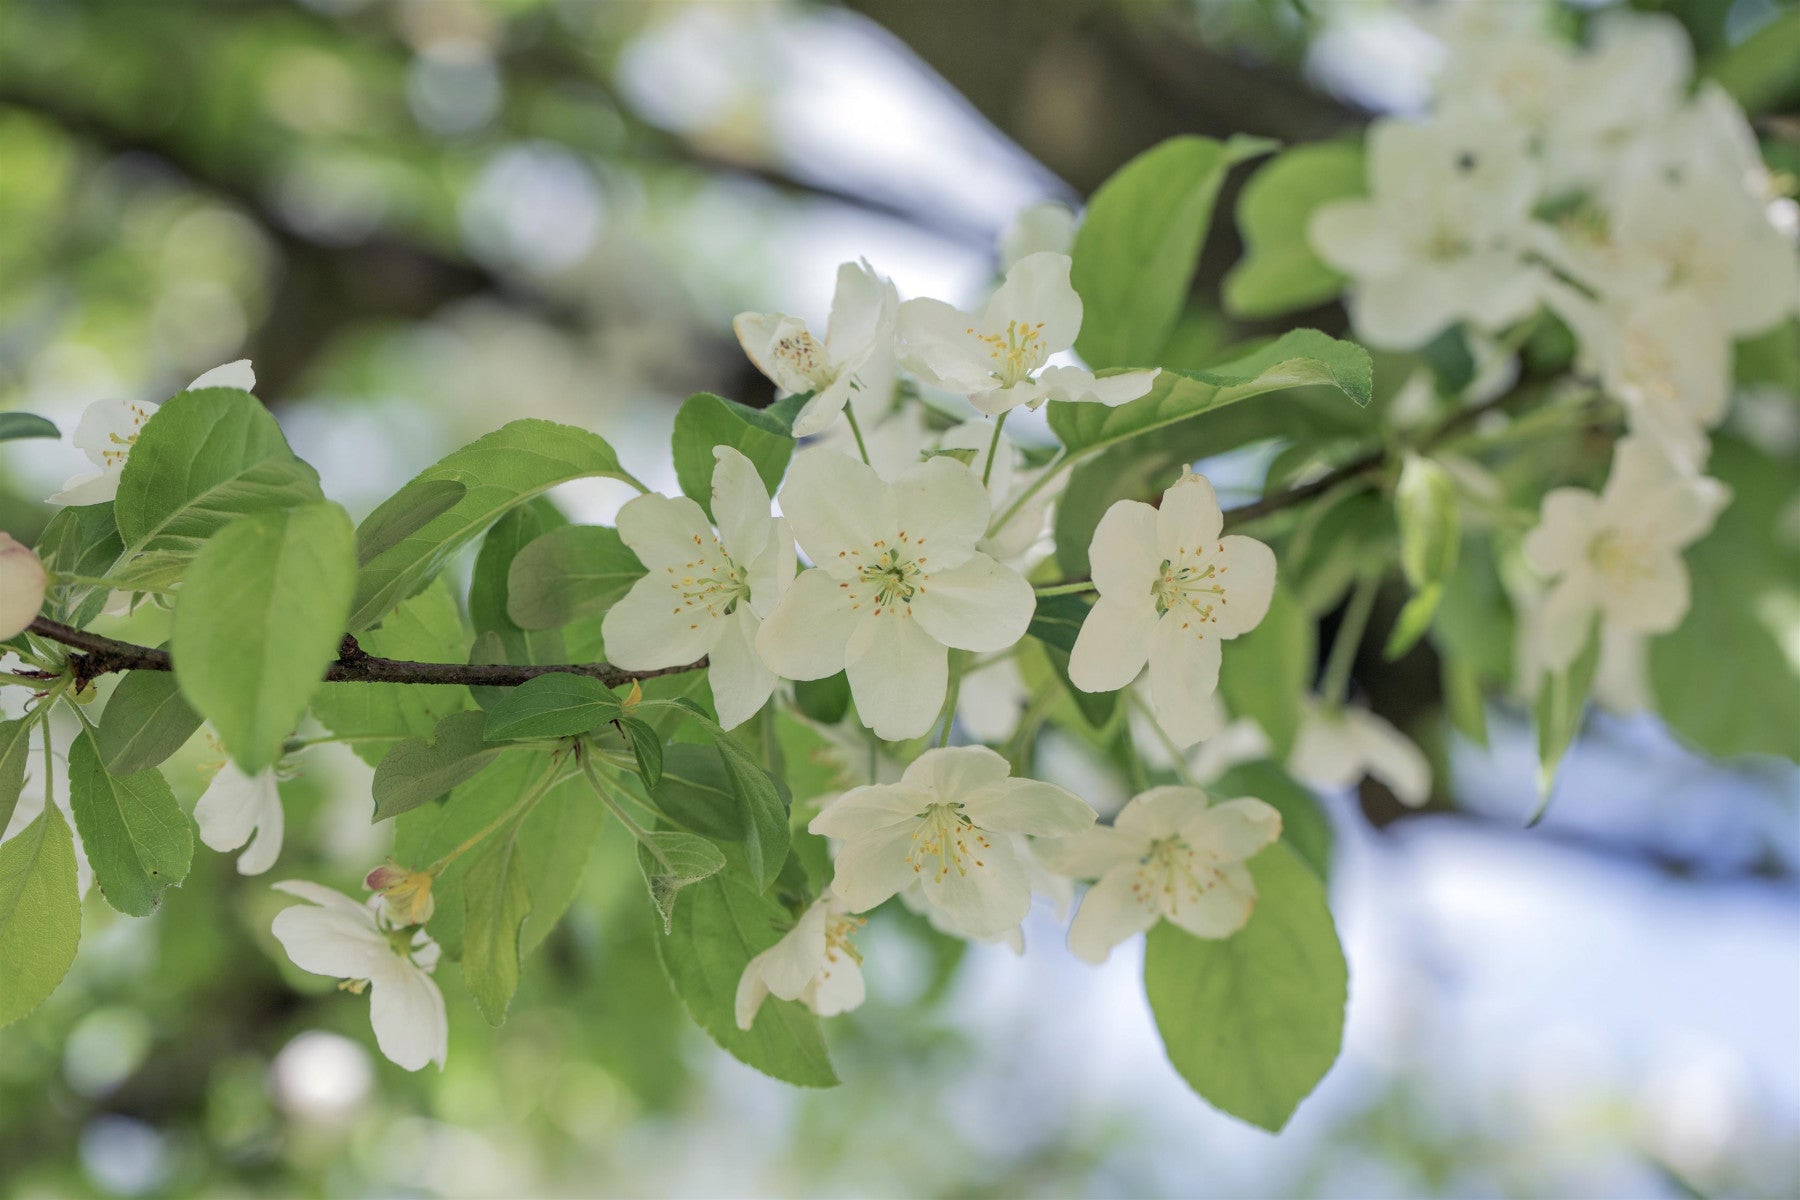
22,582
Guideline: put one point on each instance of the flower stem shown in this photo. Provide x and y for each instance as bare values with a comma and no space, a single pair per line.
1074,588
950,708
987,470
862,447
1336,681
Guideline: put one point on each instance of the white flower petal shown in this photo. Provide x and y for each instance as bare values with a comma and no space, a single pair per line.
1184,672
1091,853
22,583
898,675
769,341
1113,644
740,681
1189,517
1037,292
941,508
740,504
980,605
863,311
1028,806
942,348
1247,573
232,375
870,868
953,773
983,896
1113,909
407,1010
1124,553
650,627
1233,830
805,637
1221,909
1391,757
836,505
869,809
665,531
236,807
1161,812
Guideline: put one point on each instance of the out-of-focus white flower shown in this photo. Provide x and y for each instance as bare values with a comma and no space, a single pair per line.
334,935
1440,236
1171,590
22,583
1618,554
1047,227
109,428
705,593
859,332
31,805
1024,529
998,358
236,808
814,963
898,581
1170,853
948,824
991,699
1337,746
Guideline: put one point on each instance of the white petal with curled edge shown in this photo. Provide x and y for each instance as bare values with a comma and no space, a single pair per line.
980,605
236,807
327,941
1184,672
1113,910
407,1010
96,488
232,375
870,808
864,307
1114,643
1391,757
898,675
771,573
1076,386
818,413
762,336
807,634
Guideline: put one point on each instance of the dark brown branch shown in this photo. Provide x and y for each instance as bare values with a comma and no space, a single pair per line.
103,655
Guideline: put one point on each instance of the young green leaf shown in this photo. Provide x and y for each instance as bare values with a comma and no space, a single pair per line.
567,574
763,807
419,770
136,837
40,913
15,751
204,460
1430,521
496,902
1299,358
670,861
394,523
82,540
695,792
18,425
723,923
490,587
1254,1021
556,705
647,748
705,421
1279,272
1139,243
1561,698
257,622
145,721
499,471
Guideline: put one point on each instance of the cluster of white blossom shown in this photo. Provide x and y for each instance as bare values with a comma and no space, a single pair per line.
1597,182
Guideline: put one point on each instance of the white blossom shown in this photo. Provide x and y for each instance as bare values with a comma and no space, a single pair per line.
1441,234
1044,227
1618,554
334,935
897,582
22,583
237,808
1336,746
109,428
1171,590
814,963
705,593
858,335
948,824
1169,853
998,358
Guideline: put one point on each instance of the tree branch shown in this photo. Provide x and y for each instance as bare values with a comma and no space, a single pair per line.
103,656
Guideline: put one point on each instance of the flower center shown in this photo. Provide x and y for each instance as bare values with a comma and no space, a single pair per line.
887,576
946,840
803,354
711,581
837,939
1173,873
1621,556
1443,241
119,445
1017,352
1188,588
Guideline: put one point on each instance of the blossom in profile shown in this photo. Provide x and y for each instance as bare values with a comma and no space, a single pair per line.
859,335
109,428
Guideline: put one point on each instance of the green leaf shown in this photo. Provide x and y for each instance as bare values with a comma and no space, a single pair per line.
1057,621
556,705
670,861
1414,619
499,471
1254,1021
420,770
764,808
372,717
1139,242
647,748
136,837
489,587
1304,825
1266,673
1299,358
567,574
496,902
552,845
824,700
705,421
17,425
724,923
1425,508
259,620
79,541
145,721
1728,679
40,913
202,461
1758,72
392,524
15,753
695,792
1561,698
1279,273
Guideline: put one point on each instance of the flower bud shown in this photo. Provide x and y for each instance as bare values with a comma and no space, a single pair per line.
22,582
405,894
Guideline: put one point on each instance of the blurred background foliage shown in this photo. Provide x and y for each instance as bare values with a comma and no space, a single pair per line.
421,218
